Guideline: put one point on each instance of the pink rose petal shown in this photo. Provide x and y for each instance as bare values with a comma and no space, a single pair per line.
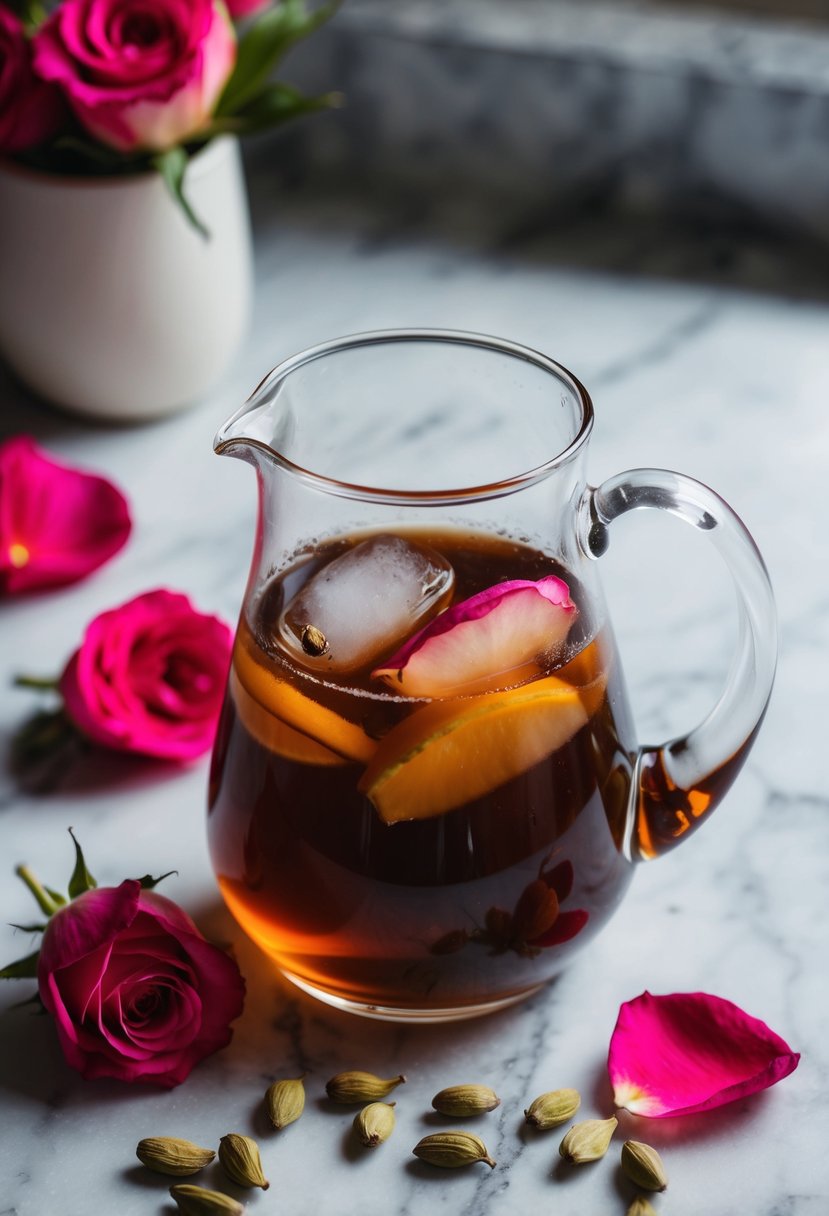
501,635
57,523
689,1052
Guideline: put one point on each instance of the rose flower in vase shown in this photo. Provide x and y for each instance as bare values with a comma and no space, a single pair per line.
124,230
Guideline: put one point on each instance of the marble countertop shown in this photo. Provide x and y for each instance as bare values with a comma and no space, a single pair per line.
701,357
669,109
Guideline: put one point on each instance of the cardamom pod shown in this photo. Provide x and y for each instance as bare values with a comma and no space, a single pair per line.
643,1165
464,1101
240,1160
641,1207
313,641
375,1123
587,1141
168,1155
196,1201
553,1108
348,1088
452,1149
285,1102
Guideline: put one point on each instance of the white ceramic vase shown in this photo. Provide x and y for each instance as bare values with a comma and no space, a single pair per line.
111,303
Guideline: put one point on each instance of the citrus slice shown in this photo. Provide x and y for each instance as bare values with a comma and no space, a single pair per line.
276,735
307,717
451,752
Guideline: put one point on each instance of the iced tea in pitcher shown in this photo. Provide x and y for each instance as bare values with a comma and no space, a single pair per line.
422,771
426,792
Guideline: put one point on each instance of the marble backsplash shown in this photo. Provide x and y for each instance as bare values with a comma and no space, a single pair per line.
554,105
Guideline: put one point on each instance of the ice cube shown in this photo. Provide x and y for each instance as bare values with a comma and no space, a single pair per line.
365,603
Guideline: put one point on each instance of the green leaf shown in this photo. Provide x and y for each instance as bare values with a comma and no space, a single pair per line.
172,165
30,12
59,899
81,879
23,969
148,882
44,735
275,104
264,44
29,928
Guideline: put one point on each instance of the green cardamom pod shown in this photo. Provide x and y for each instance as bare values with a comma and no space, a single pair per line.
641,1207
168,1155
553,1108
643,1165
452,1149
464,1101
348,1088
196,1201
587,1141
285,1102
375,1123
240,1160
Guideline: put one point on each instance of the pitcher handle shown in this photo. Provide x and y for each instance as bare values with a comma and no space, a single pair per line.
678,783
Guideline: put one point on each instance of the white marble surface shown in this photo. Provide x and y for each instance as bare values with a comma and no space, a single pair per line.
722,381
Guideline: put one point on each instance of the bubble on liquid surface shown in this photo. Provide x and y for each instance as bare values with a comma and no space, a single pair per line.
366,603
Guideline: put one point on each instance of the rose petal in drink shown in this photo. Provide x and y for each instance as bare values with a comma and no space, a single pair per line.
365,602
499,636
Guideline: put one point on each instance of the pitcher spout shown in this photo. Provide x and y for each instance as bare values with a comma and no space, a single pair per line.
259,427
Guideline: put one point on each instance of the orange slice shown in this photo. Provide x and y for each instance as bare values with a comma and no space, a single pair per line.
276,735
307,717
451,752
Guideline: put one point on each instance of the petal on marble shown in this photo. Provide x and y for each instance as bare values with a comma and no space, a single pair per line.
689,1052
501,635
57,523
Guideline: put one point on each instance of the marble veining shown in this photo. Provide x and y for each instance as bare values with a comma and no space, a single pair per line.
710,373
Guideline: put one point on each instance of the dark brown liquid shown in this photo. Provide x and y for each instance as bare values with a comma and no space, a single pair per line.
460,909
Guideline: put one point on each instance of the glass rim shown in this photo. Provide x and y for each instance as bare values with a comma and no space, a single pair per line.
225,440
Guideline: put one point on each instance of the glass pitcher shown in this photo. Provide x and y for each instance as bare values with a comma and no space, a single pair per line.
433,848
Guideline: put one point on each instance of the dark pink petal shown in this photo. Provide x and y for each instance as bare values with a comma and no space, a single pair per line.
57,524
502,635
31,111
87,923
689,1052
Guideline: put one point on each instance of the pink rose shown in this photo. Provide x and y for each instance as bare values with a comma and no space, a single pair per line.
135,990
149,677
139,74
30,109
